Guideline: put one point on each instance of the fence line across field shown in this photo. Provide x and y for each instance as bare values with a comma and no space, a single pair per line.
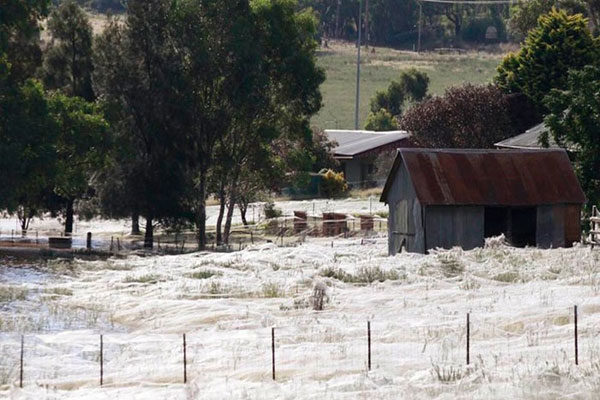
282,352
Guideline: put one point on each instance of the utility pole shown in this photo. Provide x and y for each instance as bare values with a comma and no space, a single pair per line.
337,20
420,24
367,24
356,105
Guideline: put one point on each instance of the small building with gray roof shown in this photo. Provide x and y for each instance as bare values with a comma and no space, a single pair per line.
357,151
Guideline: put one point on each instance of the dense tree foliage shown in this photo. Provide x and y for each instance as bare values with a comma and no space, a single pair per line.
68,59
574,121
411,86
464,117
525,14
381,120
136,72
26,128
27,154
559,43
212,87
81,145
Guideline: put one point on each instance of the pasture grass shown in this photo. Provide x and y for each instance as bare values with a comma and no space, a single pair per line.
380,68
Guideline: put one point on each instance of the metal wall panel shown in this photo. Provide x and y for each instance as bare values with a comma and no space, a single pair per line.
404,219
450,226
550,226
572,224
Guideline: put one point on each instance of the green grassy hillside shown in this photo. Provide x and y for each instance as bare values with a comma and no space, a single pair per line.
380,67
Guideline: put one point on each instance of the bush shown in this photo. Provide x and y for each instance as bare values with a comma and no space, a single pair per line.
467,116
412,85
381,120
333,184
365,275
271,211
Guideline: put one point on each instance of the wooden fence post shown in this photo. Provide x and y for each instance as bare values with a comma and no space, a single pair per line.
101,360
468,339
369,343
576,341
184,360
21,369
273,351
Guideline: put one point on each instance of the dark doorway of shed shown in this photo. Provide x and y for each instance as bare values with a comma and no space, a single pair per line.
495,221
523,223
517,224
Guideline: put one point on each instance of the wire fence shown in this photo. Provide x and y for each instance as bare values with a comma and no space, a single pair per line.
284,230
318,351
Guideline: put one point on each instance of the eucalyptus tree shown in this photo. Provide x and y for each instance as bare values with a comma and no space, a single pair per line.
68,62
137,72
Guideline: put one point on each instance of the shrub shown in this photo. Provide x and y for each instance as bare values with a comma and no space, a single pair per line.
449,373
204,274
467,116
12,293
365,275
271,290
451,265
271,211
411,86
148,278
381,120
507,277
333,184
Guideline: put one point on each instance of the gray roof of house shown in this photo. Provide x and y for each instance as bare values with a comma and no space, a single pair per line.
529,140
351,143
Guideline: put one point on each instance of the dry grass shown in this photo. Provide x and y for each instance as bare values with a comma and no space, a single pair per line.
374,193
380,67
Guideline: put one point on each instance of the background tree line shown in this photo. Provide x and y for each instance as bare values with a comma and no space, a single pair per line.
395,22
173,102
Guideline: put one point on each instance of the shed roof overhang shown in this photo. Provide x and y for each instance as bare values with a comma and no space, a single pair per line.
489,177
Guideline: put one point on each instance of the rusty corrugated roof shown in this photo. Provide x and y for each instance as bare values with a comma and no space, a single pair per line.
489,177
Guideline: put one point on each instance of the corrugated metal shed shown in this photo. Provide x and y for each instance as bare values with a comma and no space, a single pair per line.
489,177
351,143
529,140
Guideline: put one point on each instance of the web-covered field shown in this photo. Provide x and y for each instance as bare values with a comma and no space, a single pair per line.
105,228
520,302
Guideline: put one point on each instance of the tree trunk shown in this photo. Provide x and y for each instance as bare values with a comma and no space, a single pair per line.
23,226
24,215
230,209
69,218
135,224
222,200
243,206
149,234
201,212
